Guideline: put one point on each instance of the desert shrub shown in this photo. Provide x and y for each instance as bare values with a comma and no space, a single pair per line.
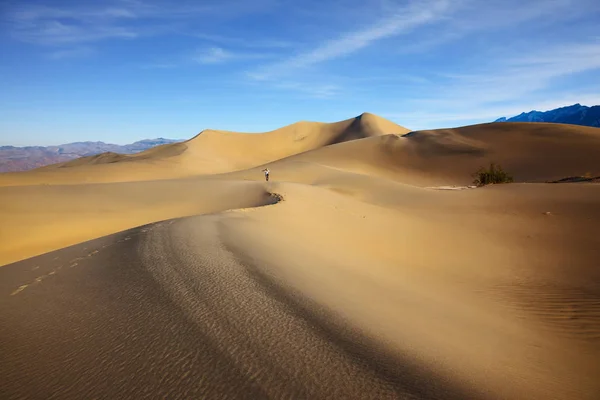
276,197
494,174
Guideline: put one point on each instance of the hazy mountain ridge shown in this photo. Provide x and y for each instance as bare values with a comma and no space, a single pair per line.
13,159
575,114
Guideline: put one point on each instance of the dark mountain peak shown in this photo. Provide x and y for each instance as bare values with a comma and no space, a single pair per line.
575,114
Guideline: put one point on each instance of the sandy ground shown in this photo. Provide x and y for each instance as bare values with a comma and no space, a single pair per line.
377,276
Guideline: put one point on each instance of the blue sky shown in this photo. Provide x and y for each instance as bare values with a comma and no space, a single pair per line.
124,70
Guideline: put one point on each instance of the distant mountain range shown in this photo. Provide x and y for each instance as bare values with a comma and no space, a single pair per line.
575,114
14,159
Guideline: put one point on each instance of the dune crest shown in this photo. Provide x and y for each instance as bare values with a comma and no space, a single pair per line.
215,151
532,152
209,152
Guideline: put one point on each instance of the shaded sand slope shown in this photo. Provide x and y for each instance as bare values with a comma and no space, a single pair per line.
167,311
485,289
386,291
530,151
210,152
536,152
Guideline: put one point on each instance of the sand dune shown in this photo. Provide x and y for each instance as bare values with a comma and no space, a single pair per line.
532,152
436,290
37,219
362,283
356,309
209,152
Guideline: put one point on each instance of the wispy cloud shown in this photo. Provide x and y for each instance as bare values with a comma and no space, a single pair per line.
159,66
75,52
56,26
36,12
429,62
253,42
506,85
509,77
218,55
72,30
58,33
496,14
480,113
403,20
313,90
472,17
110,19
213,55
389,21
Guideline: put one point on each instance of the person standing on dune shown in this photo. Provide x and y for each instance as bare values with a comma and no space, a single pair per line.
266,171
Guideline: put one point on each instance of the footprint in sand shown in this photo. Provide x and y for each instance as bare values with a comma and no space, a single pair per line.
20,289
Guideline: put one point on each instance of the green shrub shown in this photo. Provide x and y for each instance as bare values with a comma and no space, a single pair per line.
495,174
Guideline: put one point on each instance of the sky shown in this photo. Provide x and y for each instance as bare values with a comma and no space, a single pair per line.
124,70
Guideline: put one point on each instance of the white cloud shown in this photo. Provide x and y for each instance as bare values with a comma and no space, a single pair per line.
159,66
481,113
314,90
34,13
213,55
76,52
508,18
243,42
492,113
218,55
505,86
55,26
110,19
480,58
495,14
511,77
403,20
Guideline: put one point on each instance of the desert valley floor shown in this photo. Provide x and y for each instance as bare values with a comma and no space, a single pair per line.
179,272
